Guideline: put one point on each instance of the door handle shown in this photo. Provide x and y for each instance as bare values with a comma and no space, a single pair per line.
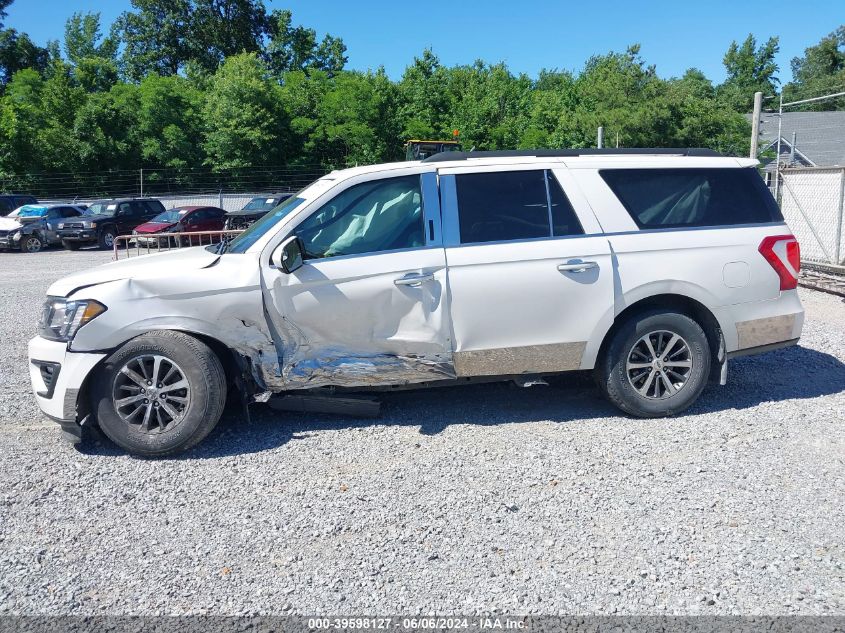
577,267
414,280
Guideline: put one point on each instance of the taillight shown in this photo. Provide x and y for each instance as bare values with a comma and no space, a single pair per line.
784,255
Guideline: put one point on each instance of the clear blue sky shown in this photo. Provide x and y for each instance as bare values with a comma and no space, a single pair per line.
526,34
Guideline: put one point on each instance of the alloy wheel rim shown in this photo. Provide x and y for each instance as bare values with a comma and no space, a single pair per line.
33,245
108,238
151,393
659,364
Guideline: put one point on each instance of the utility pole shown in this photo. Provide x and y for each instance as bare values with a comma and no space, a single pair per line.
142,182
777,155
792,149
755,123
600,139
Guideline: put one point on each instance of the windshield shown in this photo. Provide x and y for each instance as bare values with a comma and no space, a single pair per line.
170,216
29,211
101,208
249,237
260,204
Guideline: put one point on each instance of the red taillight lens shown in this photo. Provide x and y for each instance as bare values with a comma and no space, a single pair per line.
784,255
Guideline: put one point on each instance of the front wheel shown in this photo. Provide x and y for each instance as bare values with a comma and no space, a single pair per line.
159,394
107,238
656,364
32,244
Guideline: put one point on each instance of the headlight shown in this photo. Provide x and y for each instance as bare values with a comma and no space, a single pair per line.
91,225
61,225
61,318
15,232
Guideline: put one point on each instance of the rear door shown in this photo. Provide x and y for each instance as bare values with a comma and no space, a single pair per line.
529,273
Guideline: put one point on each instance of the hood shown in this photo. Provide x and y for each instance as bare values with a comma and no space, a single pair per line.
92,217
245,213
9,224
154,227
144,267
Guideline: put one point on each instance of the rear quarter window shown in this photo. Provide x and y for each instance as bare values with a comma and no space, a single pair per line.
666,198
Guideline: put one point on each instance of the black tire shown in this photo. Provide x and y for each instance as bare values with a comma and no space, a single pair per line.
106,237
71,246
206,396
618,382
32,243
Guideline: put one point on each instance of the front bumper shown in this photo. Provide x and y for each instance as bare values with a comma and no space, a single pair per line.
57,377
83,235
8,242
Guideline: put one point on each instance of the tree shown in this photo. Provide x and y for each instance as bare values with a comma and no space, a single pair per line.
221,28
94,61
244,126
155,37
17,51
820,71
424,103
750,69
295,47
169,122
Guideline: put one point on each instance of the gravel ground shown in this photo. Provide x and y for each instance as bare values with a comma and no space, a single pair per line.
459,500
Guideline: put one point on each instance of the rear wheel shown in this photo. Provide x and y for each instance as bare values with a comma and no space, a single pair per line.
32,244
159,394
106,238
656,364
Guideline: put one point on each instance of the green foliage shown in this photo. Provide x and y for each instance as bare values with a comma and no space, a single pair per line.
820,71
231,85
244,124
750,69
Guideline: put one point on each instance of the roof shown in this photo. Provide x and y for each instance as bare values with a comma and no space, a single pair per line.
569,153
819,136
590,159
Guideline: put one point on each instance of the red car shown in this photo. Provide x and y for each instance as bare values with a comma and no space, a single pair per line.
180,220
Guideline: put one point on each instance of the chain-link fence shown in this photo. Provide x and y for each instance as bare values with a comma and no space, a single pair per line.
802,151
811,199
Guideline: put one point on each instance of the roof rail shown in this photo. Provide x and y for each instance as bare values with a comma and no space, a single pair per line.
552,153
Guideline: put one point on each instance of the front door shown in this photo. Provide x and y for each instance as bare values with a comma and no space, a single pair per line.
369,305
528,283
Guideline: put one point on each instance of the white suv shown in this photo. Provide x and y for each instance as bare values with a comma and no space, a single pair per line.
650,267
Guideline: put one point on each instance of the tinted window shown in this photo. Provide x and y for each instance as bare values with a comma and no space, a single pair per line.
380,215
564,220
152,206
69,212
502,205
660,198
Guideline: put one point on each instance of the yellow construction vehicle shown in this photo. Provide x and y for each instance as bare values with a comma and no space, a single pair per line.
417,149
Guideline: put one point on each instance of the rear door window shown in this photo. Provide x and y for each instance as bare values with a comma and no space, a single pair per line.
513,205
666,198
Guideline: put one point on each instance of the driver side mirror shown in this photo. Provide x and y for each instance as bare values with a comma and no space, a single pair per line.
287,256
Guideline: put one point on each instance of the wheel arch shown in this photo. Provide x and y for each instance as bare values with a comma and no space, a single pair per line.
675,302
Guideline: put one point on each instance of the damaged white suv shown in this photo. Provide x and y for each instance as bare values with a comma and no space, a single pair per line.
650,267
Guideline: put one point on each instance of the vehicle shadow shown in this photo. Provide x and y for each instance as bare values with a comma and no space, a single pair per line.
791,374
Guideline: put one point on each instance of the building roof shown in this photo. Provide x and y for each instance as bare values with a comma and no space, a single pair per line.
819,136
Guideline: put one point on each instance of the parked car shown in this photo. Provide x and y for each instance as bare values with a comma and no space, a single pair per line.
10,201
32,227
179,220
651,268
254,210
104,220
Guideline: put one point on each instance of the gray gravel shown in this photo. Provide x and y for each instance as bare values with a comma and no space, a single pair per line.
459,500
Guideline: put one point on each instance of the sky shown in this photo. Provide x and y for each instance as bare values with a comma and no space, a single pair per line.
528,35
